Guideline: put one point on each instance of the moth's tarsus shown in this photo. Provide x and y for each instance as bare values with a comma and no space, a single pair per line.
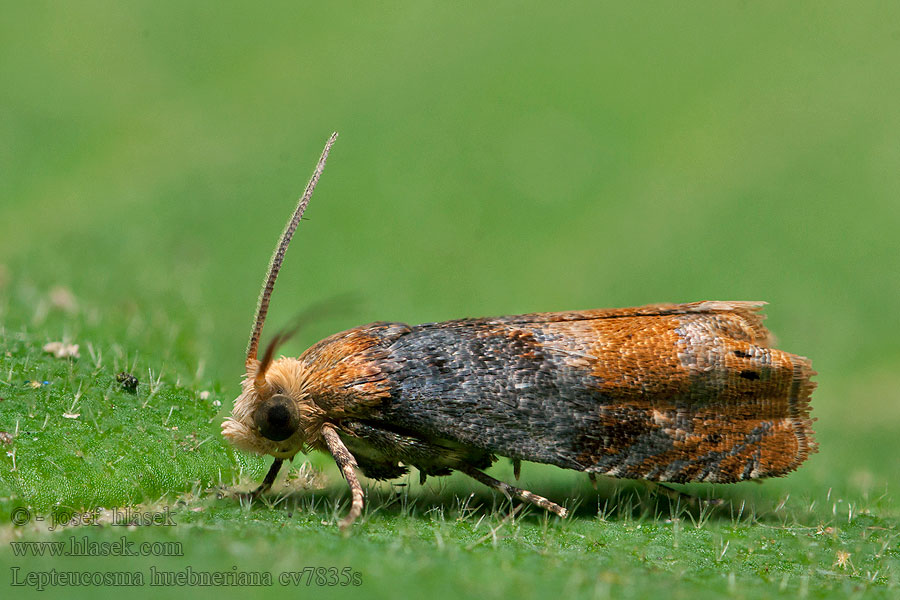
510,490
347,463
266,484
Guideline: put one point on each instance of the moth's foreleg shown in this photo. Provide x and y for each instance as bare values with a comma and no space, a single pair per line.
509,490
267,482
347,463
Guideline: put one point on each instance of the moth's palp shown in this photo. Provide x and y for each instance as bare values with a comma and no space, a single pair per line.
310,314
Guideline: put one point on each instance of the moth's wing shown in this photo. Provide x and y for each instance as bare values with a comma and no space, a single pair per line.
679,392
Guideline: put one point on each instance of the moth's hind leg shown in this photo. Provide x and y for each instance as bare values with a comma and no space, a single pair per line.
509,490
673,494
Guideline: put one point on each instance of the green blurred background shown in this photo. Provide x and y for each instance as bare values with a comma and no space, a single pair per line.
493,159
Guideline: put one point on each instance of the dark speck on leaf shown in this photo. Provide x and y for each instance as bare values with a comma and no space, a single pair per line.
129,382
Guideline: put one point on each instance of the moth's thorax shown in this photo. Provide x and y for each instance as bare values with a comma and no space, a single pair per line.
286,376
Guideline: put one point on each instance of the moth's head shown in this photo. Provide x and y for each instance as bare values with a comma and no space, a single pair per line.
274,414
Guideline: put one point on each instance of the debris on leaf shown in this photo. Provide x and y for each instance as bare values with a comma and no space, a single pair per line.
69,415
6,438
842,560
62,349
36,384
129,382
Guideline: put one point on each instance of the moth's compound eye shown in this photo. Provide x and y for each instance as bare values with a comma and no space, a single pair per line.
277,418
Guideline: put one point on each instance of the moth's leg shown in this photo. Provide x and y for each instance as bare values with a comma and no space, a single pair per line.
266,484
347,463
672,493
509,490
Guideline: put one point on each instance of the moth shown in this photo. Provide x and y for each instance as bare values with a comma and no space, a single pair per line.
665,392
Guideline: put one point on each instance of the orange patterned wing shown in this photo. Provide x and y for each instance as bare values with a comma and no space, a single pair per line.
679,392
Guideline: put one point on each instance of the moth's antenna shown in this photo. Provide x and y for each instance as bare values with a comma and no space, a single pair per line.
262,306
